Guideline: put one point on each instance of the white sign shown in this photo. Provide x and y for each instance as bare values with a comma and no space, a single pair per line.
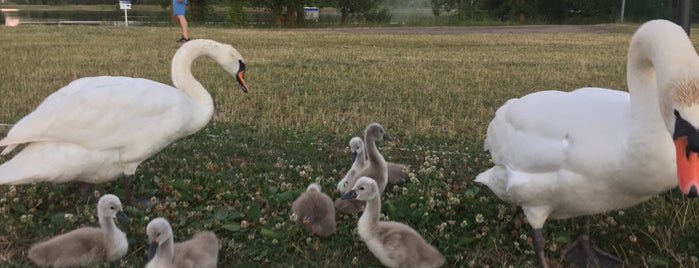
125,4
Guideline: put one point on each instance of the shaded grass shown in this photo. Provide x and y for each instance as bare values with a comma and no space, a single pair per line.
312,90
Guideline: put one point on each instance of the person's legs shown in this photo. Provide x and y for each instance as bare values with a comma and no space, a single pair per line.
178,7
183,24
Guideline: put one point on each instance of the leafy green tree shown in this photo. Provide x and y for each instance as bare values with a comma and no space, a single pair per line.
355,8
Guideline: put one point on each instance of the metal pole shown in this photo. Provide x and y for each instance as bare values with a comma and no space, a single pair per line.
126,18
623,6
683,8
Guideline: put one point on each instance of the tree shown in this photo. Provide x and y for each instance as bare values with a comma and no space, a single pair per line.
355,8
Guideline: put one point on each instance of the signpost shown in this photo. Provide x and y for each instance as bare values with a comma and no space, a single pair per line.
125,5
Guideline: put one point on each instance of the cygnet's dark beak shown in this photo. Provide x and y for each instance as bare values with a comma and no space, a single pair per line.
152,249
349,195
353,157
121,216
386,137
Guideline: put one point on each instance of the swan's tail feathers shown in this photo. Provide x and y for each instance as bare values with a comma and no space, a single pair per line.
349,206
498,180
397,172
485,176
56,162
13,173
8,149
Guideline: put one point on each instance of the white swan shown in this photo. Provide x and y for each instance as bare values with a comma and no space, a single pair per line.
201,251
87,245
560,155
98,128
315,211
393,243
396,171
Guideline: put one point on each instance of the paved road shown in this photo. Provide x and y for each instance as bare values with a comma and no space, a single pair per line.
476,29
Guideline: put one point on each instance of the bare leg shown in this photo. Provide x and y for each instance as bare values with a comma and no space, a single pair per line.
128,189
584,254
87,190
539,246
183,24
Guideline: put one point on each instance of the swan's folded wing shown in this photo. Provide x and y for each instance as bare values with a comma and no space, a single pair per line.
550,133
97,112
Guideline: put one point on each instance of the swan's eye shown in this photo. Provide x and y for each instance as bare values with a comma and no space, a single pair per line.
112,208
361,188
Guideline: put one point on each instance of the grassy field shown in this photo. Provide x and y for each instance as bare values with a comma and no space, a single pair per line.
311,91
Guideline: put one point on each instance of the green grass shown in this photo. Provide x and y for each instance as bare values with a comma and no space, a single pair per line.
311,91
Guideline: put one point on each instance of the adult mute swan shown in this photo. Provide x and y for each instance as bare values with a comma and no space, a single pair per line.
98,128
565,154
86,245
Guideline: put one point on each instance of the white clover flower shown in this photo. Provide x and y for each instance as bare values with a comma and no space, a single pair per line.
68,217
480,218
633,238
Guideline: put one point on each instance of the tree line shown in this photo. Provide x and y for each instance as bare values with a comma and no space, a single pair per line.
290,13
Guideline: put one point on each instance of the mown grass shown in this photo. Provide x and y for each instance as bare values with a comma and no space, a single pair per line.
311,90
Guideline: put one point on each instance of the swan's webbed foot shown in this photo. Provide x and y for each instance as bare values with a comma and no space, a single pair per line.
584,254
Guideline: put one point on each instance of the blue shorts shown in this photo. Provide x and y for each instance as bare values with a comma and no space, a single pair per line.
177,7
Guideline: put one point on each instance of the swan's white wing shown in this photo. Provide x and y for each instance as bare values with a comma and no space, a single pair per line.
104,113
546,137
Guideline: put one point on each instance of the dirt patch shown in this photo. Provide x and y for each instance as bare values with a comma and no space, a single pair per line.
475,29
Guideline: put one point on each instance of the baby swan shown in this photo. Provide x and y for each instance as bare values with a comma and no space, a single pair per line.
396,171
201,251
393,243
358,158
87,245
315,211
375,168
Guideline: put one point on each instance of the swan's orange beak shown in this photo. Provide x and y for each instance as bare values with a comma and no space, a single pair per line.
240,77
687,167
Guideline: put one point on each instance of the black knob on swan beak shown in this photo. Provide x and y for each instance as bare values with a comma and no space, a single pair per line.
692,192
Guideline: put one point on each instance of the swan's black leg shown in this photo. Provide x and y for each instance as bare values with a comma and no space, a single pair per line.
539,245
128,190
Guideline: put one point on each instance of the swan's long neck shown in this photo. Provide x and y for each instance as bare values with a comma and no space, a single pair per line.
183,79
166,251
361,158
372,152
655,69
107,225
370,216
